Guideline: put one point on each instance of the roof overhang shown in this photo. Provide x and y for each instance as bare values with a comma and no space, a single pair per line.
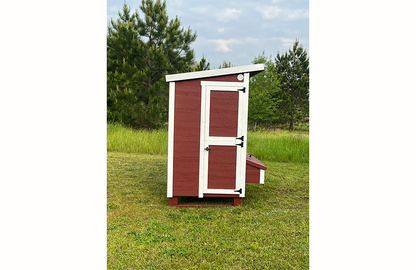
252,69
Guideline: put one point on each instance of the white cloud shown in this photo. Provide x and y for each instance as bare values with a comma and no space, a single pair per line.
297,14
251,40
112,9
269,12
287,41
290,31
199,9
221,30
222,44
228,14
112,12
178,2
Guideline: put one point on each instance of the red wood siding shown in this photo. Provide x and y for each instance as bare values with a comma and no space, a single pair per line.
186,134
252,174
223,120
222,167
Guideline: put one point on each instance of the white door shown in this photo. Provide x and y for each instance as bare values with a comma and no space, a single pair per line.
223,140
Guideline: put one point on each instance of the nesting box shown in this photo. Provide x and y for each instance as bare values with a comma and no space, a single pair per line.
207,143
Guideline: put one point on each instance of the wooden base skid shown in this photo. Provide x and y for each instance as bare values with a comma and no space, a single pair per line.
174,202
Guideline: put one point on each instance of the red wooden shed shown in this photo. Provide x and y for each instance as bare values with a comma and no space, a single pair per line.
207,142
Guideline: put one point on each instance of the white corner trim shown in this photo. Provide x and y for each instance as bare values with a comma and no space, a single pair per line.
214,72
202,153
170,138
261,176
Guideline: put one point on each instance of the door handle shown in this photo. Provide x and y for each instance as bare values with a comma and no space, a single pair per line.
241,138
207,149
240,144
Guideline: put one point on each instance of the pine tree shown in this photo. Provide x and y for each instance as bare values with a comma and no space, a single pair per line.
202,65
140,52
226,64
293,72
264,90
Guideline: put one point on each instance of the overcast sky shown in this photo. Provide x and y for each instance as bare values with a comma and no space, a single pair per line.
236,31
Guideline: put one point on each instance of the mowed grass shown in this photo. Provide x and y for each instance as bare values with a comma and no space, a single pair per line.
270,230
281,146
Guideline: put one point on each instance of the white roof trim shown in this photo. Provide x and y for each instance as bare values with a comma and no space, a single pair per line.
213,73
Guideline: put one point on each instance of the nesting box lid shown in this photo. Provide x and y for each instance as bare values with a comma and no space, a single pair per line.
251,160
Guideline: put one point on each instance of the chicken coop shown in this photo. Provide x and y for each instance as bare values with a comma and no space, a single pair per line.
207,141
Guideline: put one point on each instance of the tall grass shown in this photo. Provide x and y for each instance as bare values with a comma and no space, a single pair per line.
127,140
277,146
281,146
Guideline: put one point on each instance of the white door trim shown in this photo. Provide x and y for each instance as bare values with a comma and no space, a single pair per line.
205,139
243,131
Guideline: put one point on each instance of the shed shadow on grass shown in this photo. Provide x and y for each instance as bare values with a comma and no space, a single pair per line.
202,201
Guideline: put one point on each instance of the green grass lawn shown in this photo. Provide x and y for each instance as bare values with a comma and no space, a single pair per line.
270,230
283,146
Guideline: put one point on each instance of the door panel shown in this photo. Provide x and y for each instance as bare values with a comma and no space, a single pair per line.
222,167
222,146
223,119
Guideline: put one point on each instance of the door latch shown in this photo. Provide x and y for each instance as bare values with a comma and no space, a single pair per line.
241,138
244,89
240,144
207,149
239,190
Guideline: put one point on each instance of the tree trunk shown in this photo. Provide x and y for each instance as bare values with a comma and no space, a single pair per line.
291,125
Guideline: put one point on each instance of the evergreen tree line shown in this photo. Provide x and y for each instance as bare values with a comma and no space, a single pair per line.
279,96
143,48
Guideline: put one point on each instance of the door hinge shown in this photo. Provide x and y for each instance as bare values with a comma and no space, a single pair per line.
240,144
239,190
241,138
244,89
207,149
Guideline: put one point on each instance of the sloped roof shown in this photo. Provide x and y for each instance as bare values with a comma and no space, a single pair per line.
252,69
